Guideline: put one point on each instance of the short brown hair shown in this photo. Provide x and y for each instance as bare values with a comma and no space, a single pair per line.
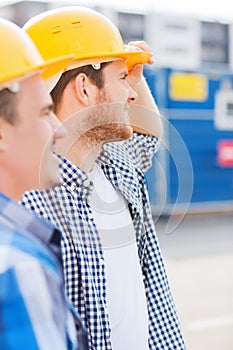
95,75
8,103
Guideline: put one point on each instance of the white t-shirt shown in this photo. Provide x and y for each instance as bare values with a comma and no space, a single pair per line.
126,300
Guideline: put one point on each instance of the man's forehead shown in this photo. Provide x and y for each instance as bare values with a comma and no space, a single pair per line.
119,66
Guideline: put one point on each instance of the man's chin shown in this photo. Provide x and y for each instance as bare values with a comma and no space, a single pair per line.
122,132
108,133
49,173
119,131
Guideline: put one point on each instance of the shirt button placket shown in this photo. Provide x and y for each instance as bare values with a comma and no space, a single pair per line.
86,183
72,188
90,216
101,261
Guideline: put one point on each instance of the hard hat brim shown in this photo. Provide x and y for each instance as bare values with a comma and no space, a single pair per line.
55,65
137,57
130,58
47,69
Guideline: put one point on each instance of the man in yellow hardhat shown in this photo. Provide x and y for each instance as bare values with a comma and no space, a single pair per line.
34,313
114,271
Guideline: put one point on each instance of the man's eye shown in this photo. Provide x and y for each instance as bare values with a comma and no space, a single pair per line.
46,114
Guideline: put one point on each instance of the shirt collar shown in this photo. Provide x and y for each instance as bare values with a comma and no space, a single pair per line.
70,172
25,221
74,179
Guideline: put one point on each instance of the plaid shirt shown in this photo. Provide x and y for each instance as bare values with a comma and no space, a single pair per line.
33,310
67,206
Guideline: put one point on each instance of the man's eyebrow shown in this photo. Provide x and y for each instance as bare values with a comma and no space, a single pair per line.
124,73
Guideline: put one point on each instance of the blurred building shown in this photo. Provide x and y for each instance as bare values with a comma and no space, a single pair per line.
192,82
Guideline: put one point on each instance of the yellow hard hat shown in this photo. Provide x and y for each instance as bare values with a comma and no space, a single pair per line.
87,34
20,57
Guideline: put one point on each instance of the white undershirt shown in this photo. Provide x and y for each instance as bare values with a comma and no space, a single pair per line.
126,301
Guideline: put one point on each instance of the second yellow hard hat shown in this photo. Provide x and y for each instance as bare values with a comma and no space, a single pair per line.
83,32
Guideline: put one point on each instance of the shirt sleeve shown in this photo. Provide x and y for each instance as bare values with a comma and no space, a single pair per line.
140,149
31,309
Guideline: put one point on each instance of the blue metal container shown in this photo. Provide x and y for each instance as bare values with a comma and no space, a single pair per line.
186,173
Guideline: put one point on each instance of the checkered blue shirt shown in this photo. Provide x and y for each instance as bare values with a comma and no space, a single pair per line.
33,310
67,207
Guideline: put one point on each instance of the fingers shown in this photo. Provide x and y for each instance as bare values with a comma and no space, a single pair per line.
139,46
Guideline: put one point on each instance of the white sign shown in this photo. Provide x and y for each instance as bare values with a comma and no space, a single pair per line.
175,40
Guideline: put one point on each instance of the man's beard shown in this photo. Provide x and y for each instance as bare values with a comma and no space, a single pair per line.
107,122
107,133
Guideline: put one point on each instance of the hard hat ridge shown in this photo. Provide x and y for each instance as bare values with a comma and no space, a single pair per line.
83,32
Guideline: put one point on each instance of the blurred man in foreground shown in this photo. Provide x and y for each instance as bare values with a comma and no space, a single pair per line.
34,313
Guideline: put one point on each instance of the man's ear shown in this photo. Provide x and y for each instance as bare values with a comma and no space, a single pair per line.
84,89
